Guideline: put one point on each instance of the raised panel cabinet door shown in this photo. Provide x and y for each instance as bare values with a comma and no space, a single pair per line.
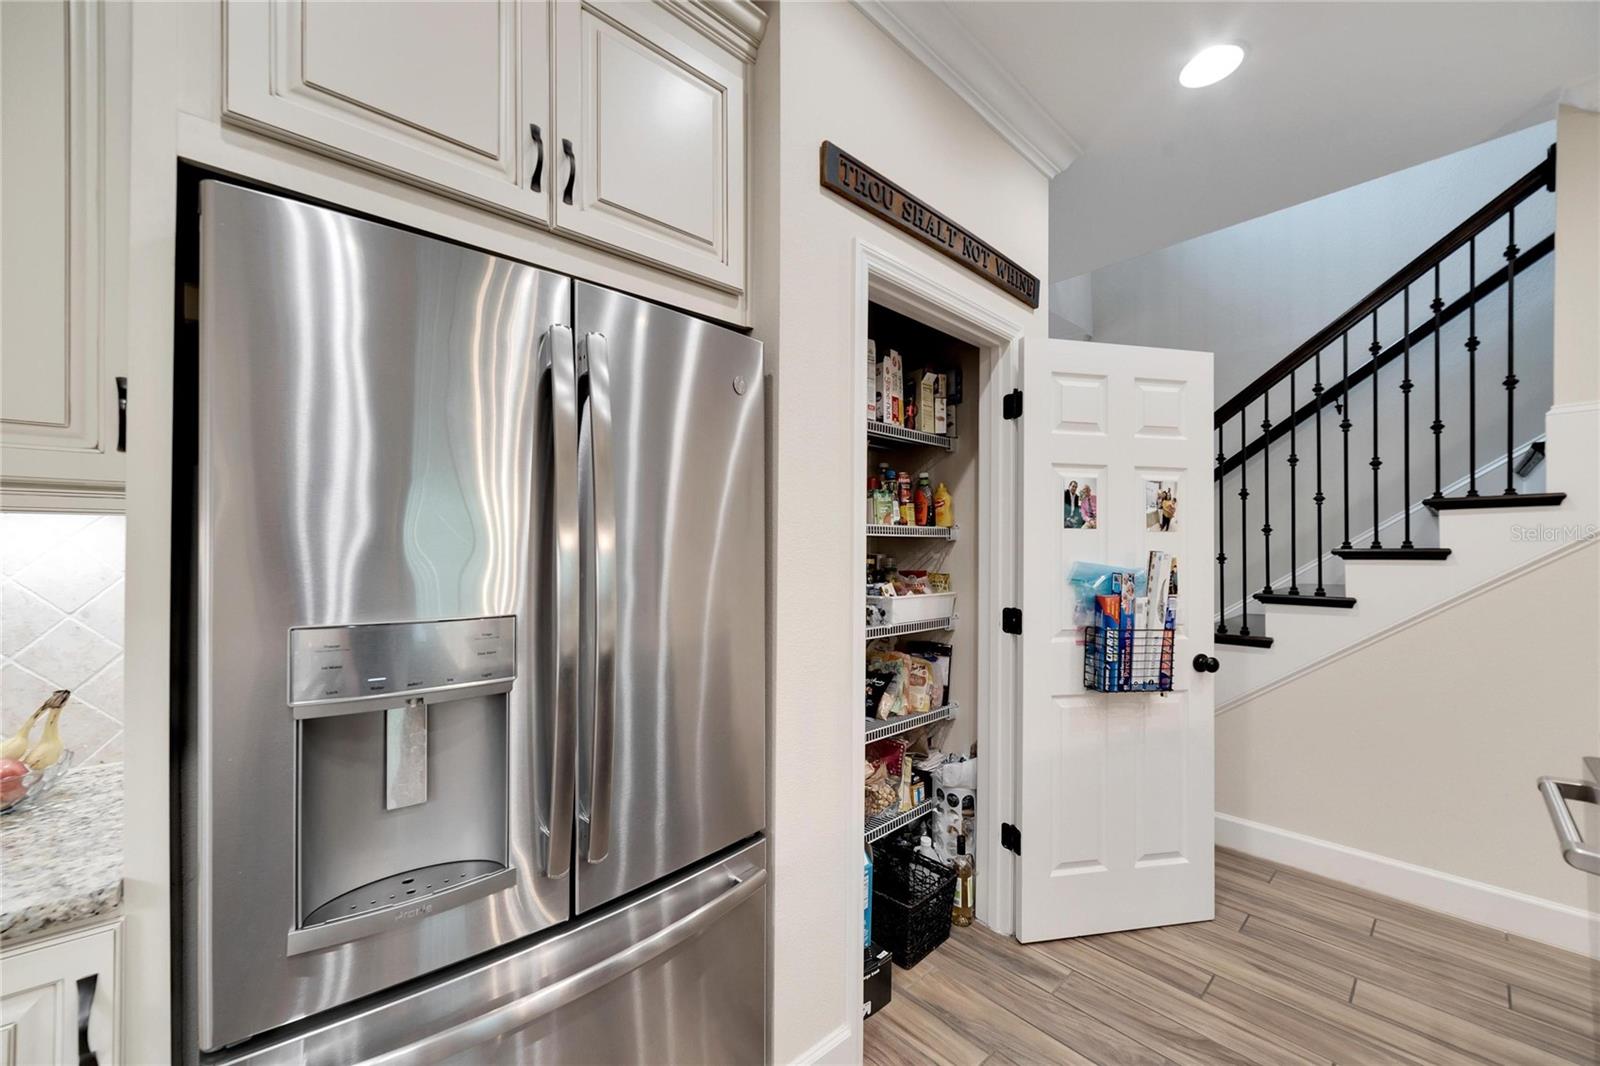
63,82
651,120
61,999
30,1024
453,95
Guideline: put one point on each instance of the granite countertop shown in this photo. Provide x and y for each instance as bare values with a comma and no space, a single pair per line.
61,857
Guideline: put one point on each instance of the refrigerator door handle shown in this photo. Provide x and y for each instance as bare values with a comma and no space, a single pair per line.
564,489
520,1013
605,597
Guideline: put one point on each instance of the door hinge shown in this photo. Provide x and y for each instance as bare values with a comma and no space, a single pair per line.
1011,838
1011,620
122,414
1011,406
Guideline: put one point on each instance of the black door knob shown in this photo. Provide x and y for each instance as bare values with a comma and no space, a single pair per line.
1206,664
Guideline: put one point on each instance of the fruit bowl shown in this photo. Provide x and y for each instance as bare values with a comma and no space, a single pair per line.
18,792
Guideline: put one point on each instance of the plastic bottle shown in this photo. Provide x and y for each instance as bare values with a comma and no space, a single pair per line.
925,849
962,910
922,502
907,508
944,507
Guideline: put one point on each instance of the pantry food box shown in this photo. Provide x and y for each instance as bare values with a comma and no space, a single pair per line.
891,389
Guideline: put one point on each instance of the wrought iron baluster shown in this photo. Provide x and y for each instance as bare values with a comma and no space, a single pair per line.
1294,461
1266,498
1438,424
1316,391
1511,341
1405,417
1244,537
1344,429
1377,462
1222,556
1472,367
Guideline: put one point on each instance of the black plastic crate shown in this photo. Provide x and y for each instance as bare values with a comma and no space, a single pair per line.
911,900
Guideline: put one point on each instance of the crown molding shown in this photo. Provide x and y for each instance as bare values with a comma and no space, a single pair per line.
935,37
737,25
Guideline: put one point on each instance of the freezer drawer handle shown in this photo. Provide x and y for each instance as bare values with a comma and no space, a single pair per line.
519,1013
1556,793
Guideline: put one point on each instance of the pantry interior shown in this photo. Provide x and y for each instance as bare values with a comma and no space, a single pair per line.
908,565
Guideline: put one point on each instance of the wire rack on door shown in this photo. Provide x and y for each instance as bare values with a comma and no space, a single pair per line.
1128,660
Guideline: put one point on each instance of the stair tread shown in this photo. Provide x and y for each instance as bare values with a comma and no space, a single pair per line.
1495,501
1334,596
1258,632
1416,553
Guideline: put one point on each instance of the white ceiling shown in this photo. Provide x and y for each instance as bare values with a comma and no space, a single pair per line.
1330,94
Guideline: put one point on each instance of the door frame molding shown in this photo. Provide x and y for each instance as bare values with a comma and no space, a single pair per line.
884,278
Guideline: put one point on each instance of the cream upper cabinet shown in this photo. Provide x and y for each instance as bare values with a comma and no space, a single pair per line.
650,113
449,94
63,93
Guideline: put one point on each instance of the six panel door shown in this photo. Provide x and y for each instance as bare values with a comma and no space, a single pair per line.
1115,796
454,96
651,124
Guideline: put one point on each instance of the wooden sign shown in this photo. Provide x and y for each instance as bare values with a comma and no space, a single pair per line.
844,174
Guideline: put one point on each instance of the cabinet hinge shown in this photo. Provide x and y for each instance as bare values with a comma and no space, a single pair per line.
1011,838
1011,620
1011,406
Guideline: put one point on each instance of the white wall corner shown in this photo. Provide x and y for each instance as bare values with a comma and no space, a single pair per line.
1072,308
1585,95
933,34
1527,916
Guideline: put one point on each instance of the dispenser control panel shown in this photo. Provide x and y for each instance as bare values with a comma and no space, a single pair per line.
403,658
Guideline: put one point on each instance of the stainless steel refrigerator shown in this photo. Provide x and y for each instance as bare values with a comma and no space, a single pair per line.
475,672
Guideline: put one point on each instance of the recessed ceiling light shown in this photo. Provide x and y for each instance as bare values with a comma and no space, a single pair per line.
1211,65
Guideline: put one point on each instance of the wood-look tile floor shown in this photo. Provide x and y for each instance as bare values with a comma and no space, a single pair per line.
1295,969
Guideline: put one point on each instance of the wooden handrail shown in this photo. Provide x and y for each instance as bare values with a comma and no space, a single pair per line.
1333,394
1540,177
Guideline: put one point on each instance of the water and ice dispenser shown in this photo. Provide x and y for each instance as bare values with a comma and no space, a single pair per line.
401,786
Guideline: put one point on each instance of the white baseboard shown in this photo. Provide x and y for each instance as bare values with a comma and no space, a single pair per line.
827,1049
1538,919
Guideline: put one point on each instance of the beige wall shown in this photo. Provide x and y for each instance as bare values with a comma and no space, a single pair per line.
1425,746
1577,295
837,77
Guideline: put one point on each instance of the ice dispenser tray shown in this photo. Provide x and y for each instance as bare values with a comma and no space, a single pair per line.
402,804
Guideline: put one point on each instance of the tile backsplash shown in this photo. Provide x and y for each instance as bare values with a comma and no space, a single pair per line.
61,626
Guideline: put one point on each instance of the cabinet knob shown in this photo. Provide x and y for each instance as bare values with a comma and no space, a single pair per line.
1206,664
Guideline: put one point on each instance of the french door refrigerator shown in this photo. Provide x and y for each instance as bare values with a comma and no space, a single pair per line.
474,756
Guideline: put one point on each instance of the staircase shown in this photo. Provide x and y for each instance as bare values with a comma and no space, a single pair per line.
1406,465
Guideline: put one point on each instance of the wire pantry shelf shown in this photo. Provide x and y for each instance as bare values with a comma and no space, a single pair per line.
883,728
881,825
905,629
936,532
887,435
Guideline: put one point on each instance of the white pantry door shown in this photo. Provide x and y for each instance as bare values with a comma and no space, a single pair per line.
1115,790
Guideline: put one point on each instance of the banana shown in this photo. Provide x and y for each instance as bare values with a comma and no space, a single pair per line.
16,747
45,753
